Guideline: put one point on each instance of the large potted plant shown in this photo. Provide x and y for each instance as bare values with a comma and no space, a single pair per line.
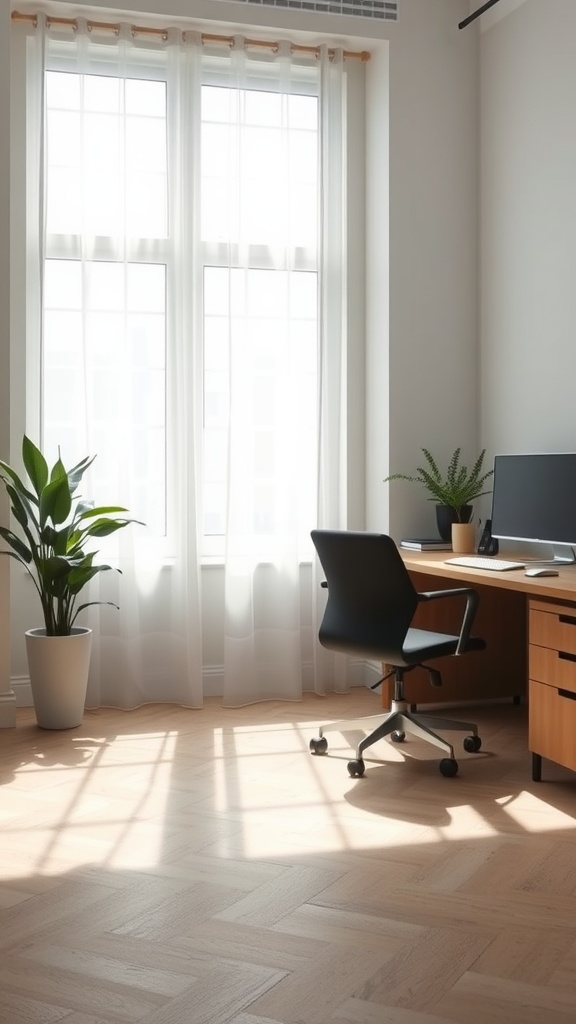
54,528
452,491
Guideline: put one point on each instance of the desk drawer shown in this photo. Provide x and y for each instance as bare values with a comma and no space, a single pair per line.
552,724
556,668
555,628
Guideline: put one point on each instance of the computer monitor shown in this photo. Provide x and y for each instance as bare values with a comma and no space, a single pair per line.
534,501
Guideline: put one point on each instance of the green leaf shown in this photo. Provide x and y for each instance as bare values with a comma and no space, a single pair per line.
55,567
60,541
16,544
21,507
74,543
104,527
25,516
55,501
12,554
82,575
89,604
9,476
58,471
77,472
101,510
35,465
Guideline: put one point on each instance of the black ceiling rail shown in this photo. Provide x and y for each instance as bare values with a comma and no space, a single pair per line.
472,17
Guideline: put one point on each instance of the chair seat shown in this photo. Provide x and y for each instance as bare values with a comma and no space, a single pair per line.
422,644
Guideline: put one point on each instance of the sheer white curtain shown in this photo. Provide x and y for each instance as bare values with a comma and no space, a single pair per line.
283,374
192,306
115,301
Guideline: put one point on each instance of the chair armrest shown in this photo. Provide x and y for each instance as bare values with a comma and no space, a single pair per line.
472,601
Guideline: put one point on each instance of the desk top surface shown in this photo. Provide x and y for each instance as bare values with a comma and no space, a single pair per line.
433,563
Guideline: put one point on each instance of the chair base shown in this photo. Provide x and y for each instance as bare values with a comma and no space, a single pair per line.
400,720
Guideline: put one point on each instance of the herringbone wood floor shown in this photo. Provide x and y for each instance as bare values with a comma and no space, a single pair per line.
167,866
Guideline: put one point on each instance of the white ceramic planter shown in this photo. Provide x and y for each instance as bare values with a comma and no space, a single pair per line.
58,667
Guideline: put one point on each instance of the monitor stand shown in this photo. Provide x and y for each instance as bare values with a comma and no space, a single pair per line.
562,554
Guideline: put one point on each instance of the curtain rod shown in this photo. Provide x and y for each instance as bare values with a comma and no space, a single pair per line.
472,17
206,37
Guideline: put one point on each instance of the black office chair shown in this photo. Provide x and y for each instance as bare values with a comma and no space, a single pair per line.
370,608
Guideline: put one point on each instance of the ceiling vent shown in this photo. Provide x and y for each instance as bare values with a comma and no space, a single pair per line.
373,10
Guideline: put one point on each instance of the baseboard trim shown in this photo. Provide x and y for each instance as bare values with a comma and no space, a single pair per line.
7,710
362,673
22,691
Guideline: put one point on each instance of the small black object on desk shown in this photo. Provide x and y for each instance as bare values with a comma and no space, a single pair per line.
488,544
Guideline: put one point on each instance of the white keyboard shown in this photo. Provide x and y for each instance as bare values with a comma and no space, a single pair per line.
497,564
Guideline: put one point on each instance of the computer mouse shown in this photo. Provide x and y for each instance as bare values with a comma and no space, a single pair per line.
541,572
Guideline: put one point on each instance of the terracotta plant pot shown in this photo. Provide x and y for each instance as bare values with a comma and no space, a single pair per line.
464,538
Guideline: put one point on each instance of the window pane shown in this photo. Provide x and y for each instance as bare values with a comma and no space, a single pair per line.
259,167
107,155
104,378
262,356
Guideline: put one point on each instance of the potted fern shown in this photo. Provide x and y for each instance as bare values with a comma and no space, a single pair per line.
452,491
54,528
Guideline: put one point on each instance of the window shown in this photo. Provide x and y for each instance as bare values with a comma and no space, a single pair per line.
114,262
194,224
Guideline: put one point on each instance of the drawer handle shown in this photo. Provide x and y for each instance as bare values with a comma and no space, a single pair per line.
566,656
567,693
569,620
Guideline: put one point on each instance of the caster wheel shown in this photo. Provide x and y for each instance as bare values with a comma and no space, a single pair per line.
356,768
398,736
471,744
448,767
319,746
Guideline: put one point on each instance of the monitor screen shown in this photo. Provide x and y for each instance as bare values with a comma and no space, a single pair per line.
534,498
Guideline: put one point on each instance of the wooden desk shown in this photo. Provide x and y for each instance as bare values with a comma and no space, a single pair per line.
529,626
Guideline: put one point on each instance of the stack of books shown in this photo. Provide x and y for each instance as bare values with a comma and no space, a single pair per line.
426,544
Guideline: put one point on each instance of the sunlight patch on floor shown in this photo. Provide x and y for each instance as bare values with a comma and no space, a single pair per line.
120,801
120,816
465,823
534,814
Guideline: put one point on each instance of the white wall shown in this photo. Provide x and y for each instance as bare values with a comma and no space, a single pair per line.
429,355
528,229
7,713
420,249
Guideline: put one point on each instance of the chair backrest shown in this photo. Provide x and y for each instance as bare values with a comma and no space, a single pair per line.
371,598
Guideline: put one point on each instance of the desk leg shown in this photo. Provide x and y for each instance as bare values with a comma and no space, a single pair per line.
536,768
